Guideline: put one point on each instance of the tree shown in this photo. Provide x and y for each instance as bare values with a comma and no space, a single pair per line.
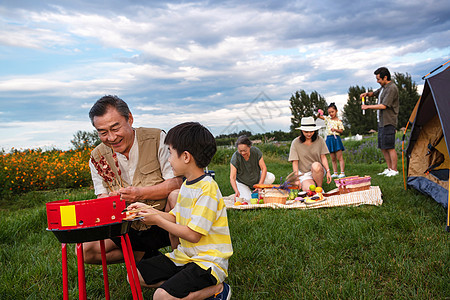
407,95
304,105
82,139
354,120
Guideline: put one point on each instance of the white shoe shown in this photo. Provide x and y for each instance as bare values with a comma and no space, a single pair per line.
385,171
342,175
392,173
335,175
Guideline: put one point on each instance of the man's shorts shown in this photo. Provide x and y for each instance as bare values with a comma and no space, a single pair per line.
179,281
386,137
148,241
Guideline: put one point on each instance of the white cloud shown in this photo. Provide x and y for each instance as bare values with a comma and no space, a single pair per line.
202,61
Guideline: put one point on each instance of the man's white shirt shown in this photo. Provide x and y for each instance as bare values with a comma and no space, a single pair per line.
128,166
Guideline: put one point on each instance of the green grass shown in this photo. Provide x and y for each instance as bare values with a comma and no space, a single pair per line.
398,250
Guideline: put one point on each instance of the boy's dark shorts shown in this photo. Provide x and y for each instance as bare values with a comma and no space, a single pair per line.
148,241
179,281
386,137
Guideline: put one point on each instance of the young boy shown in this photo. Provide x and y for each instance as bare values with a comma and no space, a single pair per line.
198,266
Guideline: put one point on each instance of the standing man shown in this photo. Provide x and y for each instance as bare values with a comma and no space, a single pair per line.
147,176
387,116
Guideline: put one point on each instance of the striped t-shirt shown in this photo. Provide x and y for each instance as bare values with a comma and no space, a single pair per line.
200,206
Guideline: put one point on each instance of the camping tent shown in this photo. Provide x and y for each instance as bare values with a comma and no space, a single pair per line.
427,153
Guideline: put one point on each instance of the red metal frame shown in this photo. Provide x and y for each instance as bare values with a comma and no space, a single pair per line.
73,218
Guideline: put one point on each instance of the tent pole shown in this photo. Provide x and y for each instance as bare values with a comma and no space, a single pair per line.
403,155
435,70
448,208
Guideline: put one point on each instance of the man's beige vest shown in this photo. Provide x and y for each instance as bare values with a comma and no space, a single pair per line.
148,171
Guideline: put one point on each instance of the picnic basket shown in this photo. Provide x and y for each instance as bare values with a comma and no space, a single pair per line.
274,196
353,184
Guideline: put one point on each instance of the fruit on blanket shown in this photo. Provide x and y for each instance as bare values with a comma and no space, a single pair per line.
319,189
244,203
261,201
237,203
254,201
310,193
292,194
312,187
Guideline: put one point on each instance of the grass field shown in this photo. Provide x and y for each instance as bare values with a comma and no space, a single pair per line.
398,250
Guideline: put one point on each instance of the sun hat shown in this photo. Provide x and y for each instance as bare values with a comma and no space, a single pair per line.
308,124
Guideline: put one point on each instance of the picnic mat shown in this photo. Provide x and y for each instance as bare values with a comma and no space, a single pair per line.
371,196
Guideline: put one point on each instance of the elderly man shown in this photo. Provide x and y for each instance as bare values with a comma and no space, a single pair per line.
147,176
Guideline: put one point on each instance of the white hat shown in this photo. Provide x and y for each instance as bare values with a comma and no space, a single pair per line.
308,124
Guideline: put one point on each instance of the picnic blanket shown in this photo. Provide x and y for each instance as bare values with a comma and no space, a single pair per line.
371,196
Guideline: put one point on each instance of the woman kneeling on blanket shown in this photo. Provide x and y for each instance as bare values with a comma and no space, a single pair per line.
308,155
247,168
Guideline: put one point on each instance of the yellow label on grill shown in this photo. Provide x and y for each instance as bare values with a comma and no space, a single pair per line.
68,215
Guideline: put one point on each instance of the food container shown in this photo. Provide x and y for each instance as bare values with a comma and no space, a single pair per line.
275,196
353,184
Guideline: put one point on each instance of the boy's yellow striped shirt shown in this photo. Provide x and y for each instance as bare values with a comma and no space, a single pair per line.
200,206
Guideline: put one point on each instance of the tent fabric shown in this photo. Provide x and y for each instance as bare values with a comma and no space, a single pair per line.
427,187
427,153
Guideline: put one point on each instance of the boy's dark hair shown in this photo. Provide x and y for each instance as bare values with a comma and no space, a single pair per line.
383,72
333,105
101,106
313,138
195,139
243,140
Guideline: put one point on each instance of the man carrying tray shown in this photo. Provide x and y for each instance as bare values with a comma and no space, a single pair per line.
138,159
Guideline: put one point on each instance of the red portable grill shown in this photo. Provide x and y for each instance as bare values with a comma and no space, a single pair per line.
92,220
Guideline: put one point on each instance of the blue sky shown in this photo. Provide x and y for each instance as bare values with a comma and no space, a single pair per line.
230,65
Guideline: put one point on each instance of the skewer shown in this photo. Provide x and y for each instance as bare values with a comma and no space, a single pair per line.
139,209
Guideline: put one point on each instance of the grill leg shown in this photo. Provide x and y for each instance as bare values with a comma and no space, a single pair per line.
133,267
81,275
126,257
64,271
105,269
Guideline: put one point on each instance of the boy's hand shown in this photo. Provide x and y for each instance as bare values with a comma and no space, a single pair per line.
150,215
137,205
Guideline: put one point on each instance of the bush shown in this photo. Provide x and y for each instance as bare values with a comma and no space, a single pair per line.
34,169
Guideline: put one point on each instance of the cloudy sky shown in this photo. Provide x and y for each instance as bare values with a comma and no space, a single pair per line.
230,65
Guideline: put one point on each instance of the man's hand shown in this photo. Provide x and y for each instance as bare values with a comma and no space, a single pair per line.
131,194
364,95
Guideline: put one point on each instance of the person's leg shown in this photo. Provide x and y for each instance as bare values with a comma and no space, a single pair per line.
189,282
340,158
244,191
334,162
92,253
387,158
171,200
387,146
201,294
307,183
317,173
270,178
392,158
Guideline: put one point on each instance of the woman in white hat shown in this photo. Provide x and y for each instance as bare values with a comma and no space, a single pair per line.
308,155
